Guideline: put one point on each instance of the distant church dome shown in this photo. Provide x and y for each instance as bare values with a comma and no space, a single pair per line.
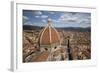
49,35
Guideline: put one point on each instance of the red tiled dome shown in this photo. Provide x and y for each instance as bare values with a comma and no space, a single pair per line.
49,35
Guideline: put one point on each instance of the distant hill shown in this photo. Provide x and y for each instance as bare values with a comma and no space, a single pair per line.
30,27
76,29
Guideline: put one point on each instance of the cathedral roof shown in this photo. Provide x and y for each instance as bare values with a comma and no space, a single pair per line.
49,35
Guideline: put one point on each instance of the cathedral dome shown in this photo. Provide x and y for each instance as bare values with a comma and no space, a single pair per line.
49,35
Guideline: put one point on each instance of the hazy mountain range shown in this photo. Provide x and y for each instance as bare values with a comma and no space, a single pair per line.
30,27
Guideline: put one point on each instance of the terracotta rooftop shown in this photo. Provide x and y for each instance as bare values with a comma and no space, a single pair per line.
49,35
42,57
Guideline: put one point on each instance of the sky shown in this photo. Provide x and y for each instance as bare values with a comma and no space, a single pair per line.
58,18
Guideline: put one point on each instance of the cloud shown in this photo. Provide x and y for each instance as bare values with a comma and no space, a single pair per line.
86,20
51,12
56,21
28,23
37,16
25,18
44,21
83,19
44,16
67,17
85,23
41,16
37,12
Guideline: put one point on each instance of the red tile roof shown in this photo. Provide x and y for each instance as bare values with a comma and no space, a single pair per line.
49,35
42,57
